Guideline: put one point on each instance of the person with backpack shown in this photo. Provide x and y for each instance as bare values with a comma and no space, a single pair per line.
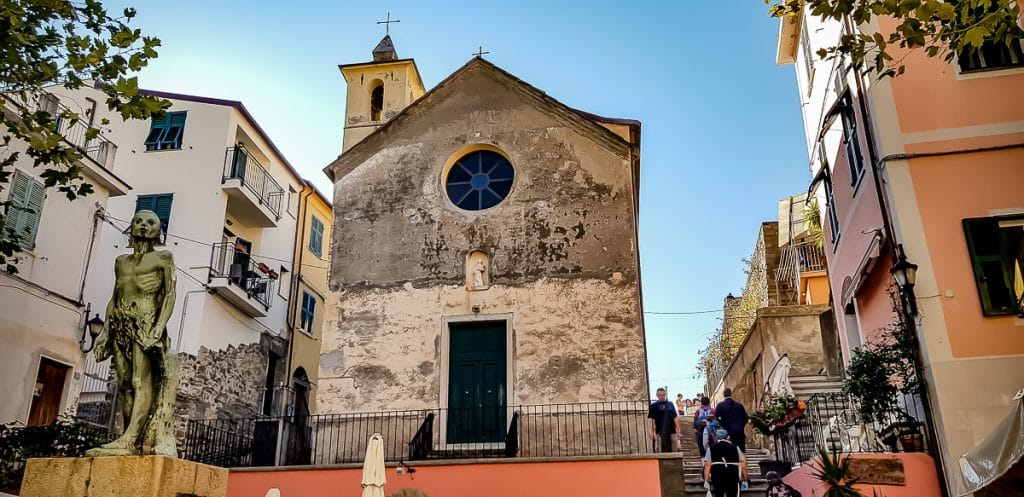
725,468
779,488
700,423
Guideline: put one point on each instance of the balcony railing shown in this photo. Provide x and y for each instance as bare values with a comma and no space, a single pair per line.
833,421
239,164
552,430
254,279
75,131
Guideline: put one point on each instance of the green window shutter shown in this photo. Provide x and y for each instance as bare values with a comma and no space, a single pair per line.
157,128
992,271
160,204
25,208
36,197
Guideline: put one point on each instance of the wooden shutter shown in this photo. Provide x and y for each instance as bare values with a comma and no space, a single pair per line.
316,236
25,208
160,204
991,266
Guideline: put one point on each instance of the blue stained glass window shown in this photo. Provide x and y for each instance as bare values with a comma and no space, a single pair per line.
479,180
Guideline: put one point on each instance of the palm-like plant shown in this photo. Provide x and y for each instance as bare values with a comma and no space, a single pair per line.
834,471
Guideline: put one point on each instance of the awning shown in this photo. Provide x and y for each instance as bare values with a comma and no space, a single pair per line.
998,453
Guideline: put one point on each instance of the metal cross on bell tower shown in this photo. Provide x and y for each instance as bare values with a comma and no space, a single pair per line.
387,23
480,52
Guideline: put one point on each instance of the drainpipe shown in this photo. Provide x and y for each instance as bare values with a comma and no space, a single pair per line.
895,248
184,312
88,251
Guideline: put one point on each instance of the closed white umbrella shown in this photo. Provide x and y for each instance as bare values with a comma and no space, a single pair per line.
373,467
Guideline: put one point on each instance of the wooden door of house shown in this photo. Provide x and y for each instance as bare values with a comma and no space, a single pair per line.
477,382
48,392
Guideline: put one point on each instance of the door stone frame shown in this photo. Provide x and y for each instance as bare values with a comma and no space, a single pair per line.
444,364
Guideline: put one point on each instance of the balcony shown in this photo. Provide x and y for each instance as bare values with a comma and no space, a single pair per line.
798,263
98,152
242,281
254,197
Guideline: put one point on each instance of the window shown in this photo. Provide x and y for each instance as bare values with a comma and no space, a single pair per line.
165,133
996,246
160,204
830,207
992,55
851,140
377,101
479,180
25,208
316,236
308,311
293,201
805,46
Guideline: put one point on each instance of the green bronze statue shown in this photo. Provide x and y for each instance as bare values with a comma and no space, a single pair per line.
135,337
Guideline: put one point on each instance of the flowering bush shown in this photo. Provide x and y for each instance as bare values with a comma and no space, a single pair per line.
776,412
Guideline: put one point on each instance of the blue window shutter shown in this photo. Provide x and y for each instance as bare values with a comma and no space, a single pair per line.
157,128
316,236
308,311
166,132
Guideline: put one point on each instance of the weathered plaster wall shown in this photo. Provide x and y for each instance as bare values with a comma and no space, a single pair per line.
562,251
571,344
794,330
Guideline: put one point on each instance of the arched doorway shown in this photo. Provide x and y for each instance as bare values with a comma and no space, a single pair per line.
300,387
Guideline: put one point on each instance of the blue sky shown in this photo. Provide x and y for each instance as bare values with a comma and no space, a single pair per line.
722,135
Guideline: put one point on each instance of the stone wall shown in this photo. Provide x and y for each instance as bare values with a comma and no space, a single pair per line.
794,330
226,383
561,250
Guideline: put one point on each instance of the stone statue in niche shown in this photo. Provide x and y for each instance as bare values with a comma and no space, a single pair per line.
476,269
135,337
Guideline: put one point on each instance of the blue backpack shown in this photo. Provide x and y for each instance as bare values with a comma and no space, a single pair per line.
702,418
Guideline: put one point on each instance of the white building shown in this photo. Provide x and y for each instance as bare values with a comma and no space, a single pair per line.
228,201
43,307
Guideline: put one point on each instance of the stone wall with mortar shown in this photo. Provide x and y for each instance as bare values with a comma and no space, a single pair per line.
226,383
562,254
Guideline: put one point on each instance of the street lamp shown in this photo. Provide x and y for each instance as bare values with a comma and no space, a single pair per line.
92,329
905,274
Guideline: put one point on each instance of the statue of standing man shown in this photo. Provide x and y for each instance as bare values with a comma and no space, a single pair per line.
135,337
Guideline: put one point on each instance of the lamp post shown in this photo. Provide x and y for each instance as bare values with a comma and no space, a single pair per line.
90,330
905,274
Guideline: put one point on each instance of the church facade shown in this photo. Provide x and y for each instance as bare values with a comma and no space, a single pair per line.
484,247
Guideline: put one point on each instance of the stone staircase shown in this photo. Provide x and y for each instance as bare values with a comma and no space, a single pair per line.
693,467
806,386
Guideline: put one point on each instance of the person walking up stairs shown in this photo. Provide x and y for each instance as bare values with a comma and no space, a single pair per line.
693,467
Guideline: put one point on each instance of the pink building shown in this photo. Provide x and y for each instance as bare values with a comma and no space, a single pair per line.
929,164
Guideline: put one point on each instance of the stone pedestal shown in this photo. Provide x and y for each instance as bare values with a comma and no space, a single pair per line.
122,476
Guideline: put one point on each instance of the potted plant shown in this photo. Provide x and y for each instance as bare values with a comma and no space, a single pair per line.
833,470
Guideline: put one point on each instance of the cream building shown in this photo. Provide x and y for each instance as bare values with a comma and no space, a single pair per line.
43,307
229,203
484,249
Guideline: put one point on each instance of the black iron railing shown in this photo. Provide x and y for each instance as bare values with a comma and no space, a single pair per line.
255,279
552,430
75,127
833,421
239,164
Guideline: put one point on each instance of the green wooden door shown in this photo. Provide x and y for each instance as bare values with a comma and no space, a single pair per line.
476,382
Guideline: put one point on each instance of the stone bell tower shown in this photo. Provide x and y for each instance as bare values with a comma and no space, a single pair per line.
377,90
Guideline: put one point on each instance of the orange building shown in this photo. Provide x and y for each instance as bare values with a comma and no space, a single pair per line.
928,166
